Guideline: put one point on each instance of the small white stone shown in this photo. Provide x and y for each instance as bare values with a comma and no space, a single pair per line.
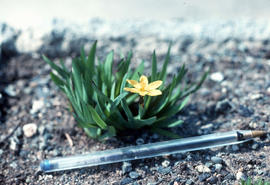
37,106
240,176
203,169
30,129
256,96
217,77
218,167
165,163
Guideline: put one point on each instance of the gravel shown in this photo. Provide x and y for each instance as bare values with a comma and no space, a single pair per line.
235,96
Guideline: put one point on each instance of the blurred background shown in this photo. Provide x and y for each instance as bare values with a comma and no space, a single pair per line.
31,12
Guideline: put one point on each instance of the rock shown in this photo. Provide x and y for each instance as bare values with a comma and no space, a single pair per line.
245,111
139,141
202,169
212,180
37,106
235,148
30,129
255,146
208,164
223,106
189,182
134,175
1,152
206,129
203,177
216,160
126,181
164,171
256,96
13,165
165,163
240,176
218,167
217,76
14,144
10,90
126,167
29,41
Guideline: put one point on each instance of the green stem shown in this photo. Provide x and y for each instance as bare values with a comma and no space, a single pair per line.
141,101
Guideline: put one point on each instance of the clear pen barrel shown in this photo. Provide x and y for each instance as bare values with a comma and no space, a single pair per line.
140,151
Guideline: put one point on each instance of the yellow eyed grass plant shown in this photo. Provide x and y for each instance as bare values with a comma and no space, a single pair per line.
103,103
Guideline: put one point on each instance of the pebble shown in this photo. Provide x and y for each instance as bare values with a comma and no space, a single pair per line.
235,148
256,96
217,76
189,182
1,152
240,176
209,164
126,181
255,146
164,171
216,160
37,106
126,167
30,129
134,175
203,177
206,129
10,90
223,106
245,111
13,165
218,167
139,141
202,169
165,163
14,143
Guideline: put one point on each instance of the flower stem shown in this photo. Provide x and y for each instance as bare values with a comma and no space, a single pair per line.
141,101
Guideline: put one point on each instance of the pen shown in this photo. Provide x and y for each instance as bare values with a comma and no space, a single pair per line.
149,150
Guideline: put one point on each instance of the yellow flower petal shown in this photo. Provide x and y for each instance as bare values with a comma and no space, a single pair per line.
133,90
133,82
143,93
143,81
154,92
154,85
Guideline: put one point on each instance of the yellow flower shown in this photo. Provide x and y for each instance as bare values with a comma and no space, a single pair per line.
143,88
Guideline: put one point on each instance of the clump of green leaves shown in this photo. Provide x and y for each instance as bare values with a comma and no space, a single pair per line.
249,181
102,107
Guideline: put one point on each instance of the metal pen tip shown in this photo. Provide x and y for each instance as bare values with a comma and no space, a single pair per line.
258,133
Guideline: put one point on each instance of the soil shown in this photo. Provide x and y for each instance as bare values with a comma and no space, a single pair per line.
240,99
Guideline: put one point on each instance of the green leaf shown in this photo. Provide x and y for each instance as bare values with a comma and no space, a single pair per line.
58,69
173,109
97,118
92,132
91,57
110,133
112,95
154,67
138,123
163,73
122,70
168,123
57,80
108,66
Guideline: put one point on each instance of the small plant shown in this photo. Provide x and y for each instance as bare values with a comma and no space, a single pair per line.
258,182
101,102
